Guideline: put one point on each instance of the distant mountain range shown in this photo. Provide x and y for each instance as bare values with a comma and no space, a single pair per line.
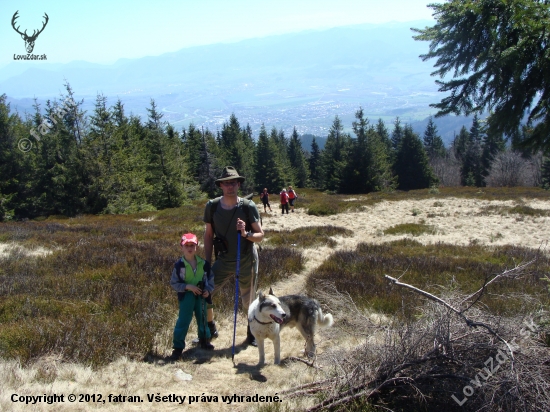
297,80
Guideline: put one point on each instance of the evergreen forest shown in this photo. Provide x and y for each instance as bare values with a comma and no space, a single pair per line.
61,160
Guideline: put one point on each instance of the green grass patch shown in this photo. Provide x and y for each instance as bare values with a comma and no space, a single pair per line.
307,236
529,211
323,209
521,210
415,229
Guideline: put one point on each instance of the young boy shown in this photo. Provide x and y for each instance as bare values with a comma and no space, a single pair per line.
194,282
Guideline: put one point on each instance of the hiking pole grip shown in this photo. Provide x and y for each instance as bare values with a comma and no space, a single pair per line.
236,295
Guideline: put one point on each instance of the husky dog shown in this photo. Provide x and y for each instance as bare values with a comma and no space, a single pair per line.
268,314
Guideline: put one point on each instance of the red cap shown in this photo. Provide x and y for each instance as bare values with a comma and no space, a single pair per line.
189,238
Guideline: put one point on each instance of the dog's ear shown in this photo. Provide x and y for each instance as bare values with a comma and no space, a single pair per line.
271,292
261,296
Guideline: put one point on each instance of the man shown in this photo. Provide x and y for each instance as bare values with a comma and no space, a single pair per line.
232,217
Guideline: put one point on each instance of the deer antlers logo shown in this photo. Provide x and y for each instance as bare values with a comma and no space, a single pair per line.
29,40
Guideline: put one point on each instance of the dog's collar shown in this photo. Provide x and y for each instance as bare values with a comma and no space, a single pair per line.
262,323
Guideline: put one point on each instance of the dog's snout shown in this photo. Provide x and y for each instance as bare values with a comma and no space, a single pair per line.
284,315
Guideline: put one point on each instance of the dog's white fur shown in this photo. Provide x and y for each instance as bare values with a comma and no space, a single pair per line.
267,315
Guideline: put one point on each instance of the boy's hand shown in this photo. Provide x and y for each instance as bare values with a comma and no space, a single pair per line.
205,293
193,289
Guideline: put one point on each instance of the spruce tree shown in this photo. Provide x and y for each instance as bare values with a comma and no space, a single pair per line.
356,178
380,167
472,170
297,160
166,169
17,162
397,134
384,135
59,182
207,169
99,147
228,138
461,142
333,158
280,142
411,163
432,141
314,163
246,159
129,190
269,174
193,143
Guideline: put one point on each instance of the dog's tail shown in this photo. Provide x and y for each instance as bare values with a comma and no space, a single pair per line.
324,320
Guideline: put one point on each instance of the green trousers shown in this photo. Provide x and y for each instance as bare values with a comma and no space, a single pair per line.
188,305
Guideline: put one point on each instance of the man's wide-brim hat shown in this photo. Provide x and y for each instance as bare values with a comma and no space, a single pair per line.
229,173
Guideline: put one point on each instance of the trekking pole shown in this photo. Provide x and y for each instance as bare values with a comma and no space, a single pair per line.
204,317
236,295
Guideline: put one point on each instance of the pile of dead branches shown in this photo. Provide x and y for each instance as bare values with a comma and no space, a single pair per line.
454,356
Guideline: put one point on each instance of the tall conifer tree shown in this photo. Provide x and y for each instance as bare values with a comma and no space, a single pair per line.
411,163
314,163
269,173
333,158
297,160
432,141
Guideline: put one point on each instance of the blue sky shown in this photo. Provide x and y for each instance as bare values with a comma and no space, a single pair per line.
104,31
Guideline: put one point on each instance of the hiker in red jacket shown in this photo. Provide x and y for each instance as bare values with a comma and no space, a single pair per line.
292,196
284,201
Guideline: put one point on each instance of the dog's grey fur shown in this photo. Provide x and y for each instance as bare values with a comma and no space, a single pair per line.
268,314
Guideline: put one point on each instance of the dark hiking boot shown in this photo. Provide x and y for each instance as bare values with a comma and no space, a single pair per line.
176,354
250,339
205,344
213,330
213,333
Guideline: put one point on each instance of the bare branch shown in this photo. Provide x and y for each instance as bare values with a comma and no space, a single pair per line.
516,271
468,321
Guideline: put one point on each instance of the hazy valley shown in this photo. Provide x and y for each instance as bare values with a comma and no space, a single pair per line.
301,79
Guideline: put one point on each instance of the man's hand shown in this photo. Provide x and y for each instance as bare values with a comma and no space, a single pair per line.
241,226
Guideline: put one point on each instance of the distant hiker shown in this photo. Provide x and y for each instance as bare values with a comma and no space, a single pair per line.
194,282
222,216
265,200
284,201
292,196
